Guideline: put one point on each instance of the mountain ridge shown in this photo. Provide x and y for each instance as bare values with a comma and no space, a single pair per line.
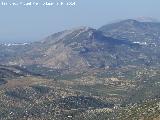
133,30
83,48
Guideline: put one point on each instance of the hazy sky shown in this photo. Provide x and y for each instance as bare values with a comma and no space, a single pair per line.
19,23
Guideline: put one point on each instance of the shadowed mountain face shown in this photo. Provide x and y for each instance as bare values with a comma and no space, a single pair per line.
132,30
83,48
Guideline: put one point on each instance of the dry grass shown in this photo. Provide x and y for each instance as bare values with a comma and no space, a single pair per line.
23,82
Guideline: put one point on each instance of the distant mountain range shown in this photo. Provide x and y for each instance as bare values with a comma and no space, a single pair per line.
128,42
135,31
